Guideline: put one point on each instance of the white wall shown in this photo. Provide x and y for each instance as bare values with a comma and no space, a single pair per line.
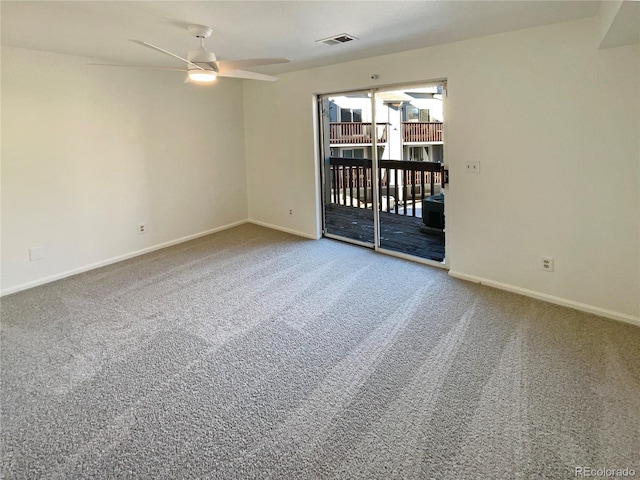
555,124
89,152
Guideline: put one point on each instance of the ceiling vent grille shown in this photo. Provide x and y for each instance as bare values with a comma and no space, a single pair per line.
337,39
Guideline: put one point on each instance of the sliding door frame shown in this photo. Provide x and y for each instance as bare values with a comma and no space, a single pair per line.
324,146
377,247
375,171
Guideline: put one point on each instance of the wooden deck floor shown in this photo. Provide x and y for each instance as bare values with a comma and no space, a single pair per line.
397,232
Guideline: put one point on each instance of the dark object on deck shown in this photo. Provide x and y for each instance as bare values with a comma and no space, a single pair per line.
433,211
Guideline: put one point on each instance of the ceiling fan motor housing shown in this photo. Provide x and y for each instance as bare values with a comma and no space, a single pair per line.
201,55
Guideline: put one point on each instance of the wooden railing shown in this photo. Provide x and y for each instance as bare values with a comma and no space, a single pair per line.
401,183
421,131
356,133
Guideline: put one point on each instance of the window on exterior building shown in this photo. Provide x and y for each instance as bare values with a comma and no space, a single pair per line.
352,153
351,115
415,114
333,112
416,153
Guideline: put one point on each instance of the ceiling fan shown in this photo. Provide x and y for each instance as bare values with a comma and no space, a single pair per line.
202,65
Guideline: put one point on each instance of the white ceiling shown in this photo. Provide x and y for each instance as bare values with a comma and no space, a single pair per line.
101,29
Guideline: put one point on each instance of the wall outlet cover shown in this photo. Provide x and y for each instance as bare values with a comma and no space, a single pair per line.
472,167
546,264
36,253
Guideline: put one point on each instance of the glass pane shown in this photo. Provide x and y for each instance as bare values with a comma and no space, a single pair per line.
333,112
348,195
411,201
412,113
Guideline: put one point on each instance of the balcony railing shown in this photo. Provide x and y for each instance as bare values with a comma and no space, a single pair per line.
359,133
356,133
401,183
421,132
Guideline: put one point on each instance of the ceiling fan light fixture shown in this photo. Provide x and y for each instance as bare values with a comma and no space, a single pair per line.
202,76
204,68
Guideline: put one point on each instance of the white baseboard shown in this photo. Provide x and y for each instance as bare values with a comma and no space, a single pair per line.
623,317
283,229
119,258
583,307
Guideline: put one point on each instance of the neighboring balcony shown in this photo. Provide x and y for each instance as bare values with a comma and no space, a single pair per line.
356,133
422,132
359,133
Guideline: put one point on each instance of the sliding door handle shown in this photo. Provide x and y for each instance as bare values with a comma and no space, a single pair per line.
444,176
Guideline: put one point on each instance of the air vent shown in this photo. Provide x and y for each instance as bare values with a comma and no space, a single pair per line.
337,39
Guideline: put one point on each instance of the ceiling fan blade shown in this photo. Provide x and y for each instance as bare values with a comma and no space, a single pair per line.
174,69
247,75
226,65
153,47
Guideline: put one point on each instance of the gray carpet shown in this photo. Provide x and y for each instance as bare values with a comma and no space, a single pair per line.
255,354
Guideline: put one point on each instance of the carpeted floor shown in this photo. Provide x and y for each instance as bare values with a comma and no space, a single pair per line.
255,354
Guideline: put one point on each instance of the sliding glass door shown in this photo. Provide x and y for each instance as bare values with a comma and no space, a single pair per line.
382,155
348,140
409,171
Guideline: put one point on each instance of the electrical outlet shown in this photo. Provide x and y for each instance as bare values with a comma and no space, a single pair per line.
546,264
142,228
36,253
473,167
